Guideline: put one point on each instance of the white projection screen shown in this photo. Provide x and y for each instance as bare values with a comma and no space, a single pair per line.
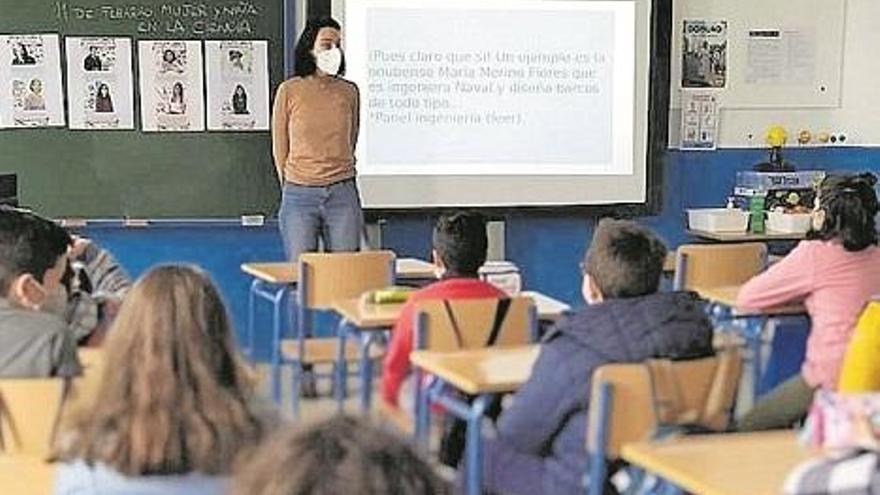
494,103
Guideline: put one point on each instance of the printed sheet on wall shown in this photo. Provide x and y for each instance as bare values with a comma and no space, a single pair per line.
171,86
30,81
99,83
238,85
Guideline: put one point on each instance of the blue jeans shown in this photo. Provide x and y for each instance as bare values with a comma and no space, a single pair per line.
330,213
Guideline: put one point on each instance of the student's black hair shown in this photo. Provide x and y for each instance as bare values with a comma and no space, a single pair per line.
850,204
303,61
461,242
28,244
625,259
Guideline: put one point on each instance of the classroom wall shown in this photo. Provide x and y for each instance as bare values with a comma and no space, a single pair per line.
547,248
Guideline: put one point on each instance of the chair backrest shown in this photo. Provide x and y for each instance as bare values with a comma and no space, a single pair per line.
327,277
661,392
29,412
435,328
84,388
628,388
697,391
716,265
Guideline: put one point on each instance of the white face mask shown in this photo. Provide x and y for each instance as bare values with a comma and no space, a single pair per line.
329,61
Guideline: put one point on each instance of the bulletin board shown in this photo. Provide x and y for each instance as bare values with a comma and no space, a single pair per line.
827,70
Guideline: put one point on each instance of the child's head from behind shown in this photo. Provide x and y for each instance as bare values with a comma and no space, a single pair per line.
33,257
175,397
845,208
624,260
339,455
460,243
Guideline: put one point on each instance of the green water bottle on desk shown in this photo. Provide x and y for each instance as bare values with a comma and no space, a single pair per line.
756,214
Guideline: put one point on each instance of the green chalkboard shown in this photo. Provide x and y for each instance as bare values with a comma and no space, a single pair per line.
106,174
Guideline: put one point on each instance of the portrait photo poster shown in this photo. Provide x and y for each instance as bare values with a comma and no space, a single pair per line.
100,83
237,85
171,86
31,94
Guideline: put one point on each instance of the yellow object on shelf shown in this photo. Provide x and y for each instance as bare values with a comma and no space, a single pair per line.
777,136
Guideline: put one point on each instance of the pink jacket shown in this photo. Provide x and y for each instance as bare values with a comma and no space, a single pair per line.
834,285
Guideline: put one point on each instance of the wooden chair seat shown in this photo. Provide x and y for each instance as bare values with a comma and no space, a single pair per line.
22,474
323,350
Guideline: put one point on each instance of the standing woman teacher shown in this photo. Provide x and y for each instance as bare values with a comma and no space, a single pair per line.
315,126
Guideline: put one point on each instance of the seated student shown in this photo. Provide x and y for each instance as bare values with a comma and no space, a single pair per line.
175,408
540,443
341,455
34,341
460,245
834,272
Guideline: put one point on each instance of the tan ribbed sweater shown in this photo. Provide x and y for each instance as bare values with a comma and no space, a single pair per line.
314,130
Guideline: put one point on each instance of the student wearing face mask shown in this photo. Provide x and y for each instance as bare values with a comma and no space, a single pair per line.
34,340
314,133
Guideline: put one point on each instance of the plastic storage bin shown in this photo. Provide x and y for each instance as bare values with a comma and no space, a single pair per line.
788,223
718,219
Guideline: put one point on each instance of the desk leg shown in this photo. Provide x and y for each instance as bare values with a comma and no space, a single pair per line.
277,299
341,365
366,370
755,328
252,297
420,410
474,445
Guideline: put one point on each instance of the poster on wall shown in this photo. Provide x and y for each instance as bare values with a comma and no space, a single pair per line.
704,54
238,85
99,83
171,86
699,120
30,81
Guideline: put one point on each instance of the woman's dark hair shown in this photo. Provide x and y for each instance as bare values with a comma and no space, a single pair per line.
304,62
850,204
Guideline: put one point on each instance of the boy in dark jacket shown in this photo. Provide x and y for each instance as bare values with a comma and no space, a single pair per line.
540,447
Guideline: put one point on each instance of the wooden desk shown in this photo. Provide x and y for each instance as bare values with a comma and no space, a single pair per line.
726,295
733,464
368,320
288,273
745,236
26,475
480,371
723,300
376,316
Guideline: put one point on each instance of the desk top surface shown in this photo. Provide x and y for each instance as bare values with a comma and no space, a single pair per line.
22,474
733,464
378,316
479,371
283,272
746,236
726,295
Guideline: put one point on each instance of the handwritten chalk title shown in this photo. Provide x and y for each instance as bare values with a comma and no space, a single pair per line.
181,19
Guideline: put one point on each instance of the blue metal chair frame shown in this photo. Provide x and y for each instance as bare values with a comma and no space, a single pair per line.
274,294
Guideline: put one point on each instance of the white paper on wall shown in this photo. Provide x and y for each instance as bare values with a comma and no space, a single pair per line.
100,83
171,86
30,81
237,85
